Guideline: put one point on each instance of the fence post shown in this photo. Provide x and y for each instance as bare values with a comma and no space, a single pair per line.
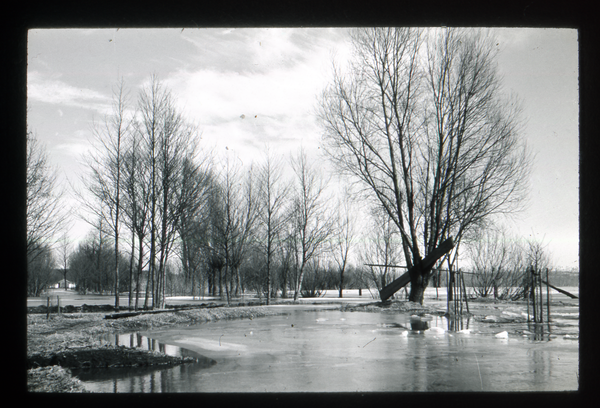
465,291
547,296
460,291
448,292
539,279
533,285
58,304
528,295
47,307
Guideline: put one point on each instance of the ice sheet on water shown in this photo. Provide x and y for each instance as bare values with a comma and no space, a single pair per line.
213,345
502,335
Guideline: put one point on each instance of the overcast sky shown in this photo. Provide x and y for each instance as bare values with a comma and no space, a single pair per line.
247,87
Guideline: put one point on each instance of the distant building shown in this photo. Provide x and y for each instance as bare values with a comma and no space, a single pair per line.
61,285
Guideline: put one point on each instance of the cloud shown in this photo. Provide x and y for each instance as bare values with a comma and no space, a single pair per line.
54,91
271,76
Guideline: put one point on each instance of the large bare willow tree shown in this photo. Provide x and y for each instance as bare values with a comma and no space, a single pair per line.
420,118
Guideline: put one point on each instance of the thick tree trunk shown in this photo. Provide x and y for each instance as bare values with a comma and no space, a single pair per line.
299,284
418,284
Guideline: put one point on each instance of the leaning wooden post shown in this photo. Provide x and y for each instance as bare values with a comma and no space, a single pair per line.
465,292
533,294
455,295
448,296
539,282
460,289
548,295
527,291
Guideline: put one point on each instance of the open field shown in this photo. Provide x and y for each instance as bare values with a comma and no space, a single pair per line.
70,297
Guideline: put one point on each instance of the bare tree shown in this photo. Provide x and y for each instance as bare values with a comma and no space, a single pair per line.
537,255
195,192
344,236
44,205
106,166
421,121
273,191
313,225
235,209
135,208
39,270
380,250
64,252
499,265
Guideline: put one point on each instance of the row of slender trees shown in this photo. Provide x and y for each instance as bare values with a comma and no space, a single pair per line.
156,195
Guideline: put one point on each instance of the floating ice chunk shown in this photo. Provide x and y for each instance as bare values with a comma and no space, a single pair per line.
404,333
321,319
571,337
490,318
437,329
342,319
464,331
502,335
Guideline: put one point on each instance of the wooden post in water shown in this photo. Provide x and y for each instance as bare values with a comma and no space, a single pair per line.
465,292
58,304
457,293
547,296
448,293
533,294
539,281
47,307
459,283
528,292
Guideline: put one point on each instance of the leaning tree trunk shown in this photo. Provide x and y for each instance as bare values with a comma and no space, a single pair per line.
418,275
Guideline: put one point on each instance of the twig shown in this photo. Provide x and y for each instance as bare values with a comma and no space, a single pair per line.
478,370
369,342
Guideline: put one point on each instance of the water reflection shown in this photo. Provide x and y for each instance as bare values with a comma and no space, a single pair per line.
145,378
457,323
350,351
540,331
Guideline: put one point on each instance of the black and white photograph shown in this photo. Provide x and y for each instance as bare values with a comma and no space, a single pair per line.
302,209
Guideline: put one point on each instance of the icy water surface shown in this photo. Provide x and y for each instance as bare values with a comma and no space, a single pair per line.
331,350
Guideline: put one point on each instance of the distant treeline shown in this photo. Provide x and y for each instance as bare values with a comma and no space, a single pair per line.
564,278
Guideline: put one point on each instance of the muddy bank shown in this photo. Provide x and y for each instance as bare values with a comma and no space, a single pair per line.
52,379
394,306
43,309
71,341
103,356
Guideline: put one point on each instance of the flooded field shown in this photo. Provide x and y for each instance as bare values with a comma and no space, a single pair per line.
334,351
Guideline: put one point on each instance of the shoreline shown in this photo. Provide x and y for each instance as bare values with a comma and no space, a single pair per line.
66,341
